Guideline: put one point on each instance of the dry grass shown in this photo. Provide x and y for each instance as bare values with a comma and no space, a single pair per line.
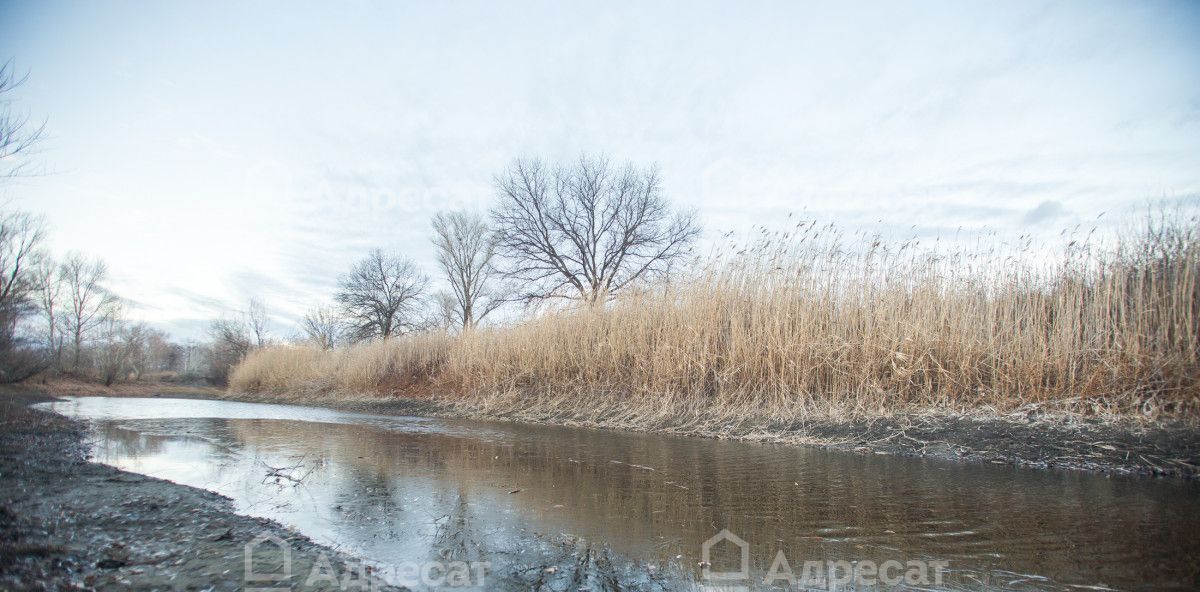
815,324
413,366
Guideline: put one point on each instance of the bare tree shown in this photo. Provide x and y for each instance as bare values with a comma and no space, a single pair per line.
588,230
21,252
121,346
465,252
256,320
17,133
232,338
48,287
244,331
232,335
21,238
445,313
87,300
21,233
323,326
381,296
160,353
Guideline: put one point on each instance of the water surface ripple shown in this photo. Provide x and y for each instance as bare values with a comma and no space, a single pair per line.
526,498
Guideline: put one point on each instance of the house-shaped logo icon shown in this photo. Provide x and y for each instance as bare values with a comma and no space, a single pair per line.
280,575
724,536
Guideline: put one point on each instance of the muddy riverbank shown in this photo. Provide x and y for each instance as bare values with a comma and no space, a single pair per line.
1030,438
67,523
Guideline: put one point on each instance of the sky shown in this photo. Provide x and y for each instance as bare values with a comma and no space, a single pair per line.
211,152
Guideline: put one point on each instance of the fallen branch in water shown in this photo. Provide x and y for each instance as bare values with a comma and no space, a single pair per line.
288,473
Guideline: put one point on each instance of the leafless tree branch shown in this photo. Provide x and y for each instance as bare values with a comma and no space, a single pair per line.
18,133
88,301
466,249
381,296
323,326
588,230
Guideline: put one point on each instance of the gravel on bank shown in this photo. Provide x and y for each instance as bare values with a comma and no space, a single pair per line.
70,524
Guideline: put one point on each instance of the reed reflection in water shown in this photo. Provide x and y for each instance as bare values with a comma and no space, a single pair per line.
638,507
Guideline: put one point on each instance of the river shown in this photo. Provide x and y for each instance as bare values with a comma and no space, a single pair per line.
565,508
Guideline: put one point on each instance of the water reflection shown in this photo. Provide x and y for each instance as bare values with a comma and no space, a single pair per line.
558,506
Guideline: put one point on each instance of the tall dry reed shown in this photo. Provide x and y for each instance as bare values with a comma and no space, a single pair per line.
814,323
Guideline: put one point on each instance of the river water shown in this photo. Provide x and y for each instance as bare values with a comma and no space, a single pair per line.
569,509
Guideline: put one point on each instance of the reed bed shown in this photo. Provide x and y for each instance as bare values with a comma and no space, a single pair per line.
813,323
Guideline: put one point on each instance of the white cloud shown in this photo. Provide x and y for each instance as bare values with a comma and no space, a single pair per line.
212,154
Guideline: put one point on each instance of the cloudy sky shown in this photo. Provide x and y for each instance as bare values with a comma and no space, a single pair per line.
214,151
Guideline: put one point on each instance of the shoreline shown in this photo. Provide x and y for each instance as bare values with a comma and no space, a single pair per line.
70,523
1027,440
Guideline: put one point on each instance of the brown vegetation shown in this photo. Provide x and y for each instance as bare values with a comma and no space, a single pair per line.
804,325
